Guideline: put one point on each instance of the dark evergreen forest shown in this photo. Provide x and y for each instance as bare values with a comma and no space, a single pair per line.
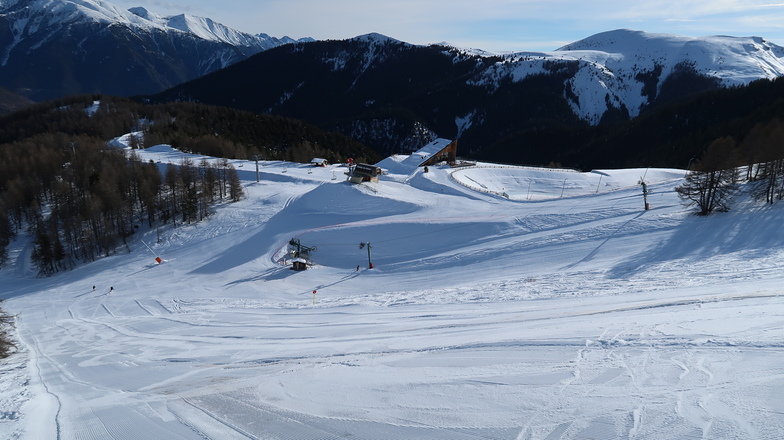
80,198
671,132
333,85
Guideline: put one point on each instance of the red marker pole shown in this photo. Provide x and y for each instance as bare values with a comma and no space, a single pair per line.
314,297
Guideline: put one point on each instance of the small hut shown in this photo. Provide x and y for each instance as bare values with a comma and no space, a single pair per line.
299,264
363,172
319,162
300,254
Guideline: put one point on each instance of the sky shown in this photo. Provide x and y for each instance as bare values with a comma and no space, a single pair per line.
492,25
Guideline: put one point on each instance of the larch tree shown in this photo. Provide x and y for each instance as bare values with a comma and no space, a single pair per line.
712,185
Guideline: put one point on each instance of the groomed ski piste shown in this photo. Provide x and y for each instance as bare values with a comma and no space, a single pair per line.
503,303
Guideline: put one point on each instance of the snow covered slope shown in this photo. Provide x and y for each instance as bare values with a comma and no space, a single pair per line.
55,48
31,16
628,68
209,30
564,311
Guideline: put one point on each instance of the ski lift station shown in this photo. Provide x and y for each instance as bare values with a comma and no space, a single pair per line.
363,172
438,151
300,254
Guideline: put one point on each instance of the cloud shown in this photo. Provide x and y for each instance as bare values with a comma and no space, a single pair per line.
763,22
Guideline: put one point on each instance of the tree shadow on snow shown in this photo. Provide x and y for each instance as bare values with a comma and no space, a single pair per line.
755,232
275,273
324,207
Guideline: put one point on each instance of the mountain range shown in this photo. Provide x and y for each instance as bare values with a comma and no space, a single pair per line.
529,107
54,48
389,94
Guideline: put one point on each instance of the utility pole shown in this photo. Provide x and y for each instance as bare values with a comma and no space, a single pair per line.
645,191
256,158
362,245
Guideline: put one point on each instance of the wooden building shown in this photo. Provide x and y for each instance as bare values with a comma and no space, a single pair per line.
440,150
299,264
363,172
300,254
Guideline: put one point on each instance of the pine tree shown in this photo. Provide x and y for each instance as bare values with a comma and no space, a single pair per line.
235,186
174,183
6,234
42,254
190,205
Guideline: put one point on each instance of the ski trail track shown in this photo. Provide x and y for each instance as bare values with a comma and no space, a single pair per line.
616,358
529,320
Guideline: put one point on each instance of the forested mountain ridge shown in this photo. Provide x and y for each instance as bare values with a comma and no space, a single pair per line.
11,102
552,104
81,198
582,105
671,135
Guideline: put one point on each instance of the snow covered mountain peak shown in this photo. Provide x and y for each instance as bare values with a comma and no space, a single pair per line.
734,60
31,16
207,29
624,39
145,14
626,69
111,49
376,38
58,12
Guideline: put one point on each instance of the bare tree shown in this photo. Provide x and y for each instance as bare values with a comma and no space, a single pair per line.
764,146
713,184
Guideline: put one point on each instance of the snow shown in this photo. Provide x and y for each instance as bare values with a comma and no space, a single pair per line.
30,17
375,38
96,105
565,311
408,163
613,64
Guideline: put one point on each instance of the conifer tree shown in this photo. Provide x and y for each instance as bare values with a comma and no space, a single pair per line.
6,234
235,186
